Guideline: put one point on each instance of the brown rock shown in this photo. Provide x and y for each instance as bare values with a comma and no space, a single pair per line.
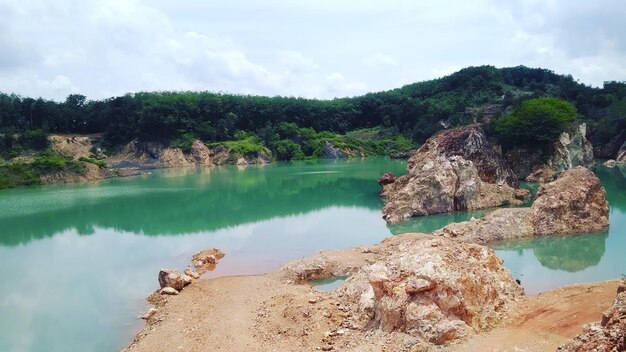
574,203
189,272
206,260
386,179
432,288
171,278
169,291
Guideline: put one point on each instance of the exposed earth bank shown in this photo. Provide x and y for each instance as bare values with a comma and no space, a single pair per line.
394,300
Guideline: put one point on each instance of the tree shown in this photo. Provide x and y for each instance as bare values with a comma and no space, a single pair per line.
536,123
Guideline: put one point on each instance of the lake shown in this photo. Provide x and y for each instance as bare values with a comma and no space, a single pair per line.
79,260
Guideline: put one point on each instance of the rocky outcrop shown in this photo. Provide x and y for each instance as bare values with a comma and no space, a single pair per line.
140,155
425,288
456,169
621,154
570,150
574,203
332,152
607,335
437,291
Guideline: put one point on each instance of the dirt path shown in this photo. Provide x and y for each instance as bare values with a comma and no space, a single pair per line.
261,313
546,321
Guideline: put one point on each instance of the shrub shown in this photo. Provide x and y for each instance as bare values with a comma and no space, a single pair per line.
536,123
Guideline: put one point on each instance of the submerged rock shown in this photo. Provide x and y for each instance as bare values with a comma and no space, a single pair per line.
456,169
607,335
574,203
206,260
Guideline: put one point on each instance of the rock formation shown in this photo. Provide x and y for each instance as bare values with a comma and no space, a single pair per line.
206,260
171,278
621,154
428,289
151,155
570,150
607,335
574,203
456,169
332,152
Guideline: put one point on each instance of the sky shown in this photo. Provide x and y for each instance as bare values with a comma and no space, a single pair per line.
315,49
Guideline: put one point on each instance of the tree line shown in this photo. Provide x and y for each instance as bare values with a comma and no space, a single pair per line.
416,110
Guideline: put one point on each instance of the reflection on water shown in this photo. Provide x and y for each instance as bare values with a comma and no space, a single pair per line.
81,258
568,253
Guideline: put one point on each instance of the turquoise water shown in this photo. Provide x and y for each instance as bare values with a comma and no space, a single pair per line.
78,260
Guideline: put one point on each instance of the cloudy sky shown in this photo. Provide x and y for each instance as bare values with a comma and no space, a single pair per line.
322,48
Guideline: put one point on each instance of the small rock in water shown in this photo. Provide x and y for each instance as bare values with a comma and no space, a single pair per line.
169,291
191,273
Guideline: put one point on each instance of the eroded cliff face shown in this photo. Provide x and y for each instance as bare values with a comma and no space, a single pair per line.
150,155
574,203
570,150
456,169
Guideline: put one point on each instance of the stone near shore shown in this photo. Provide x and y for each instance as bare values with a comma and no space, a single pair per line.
456,169
574,203
171,278
206,260
607,335
169,291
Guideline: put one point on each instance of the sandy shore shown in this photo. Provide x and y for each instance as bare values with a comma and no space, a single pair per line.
270,313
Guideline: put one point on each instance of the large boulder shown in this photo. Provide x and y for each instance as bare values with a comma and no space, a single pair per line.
433,289
607,335
456,169
574,203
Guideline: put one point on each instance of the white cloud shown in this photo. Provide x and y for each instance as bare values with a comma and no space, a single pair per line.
323,49
379,60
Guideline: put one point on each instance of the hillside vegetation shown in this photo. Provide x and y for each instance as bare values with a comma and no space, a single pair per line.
295,128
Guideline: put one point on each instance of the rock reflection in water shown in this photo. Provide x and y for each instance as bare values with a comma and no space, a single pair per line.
567,253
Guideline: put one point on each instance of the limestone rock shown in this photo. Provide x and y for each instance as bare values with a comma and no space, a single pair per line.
171,278
432,288
571,150
621,154
574,203
456,169
607,335
610,163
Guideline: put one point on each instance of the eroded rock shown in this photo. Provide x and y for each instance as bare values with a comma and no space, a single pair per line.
206,260
171,278
456,169
574,203
434,289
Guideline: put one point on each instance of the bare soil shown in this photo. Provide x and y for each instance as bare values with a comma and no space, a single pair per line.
264,313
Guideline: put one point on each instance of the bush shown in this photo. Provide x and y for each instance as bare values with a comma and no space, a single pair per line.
286,149
49,162
100,163
536,123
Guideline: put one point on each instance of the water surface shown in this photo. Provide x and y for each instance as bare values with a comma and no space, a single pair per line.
78,260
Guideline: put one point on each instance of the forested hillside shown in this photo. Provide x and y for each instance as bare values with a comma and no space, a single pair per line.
415,111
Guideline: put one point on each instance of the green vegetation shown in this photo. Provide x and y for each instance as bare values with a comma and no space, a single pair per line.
536,123
20,173
100,163
294,128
